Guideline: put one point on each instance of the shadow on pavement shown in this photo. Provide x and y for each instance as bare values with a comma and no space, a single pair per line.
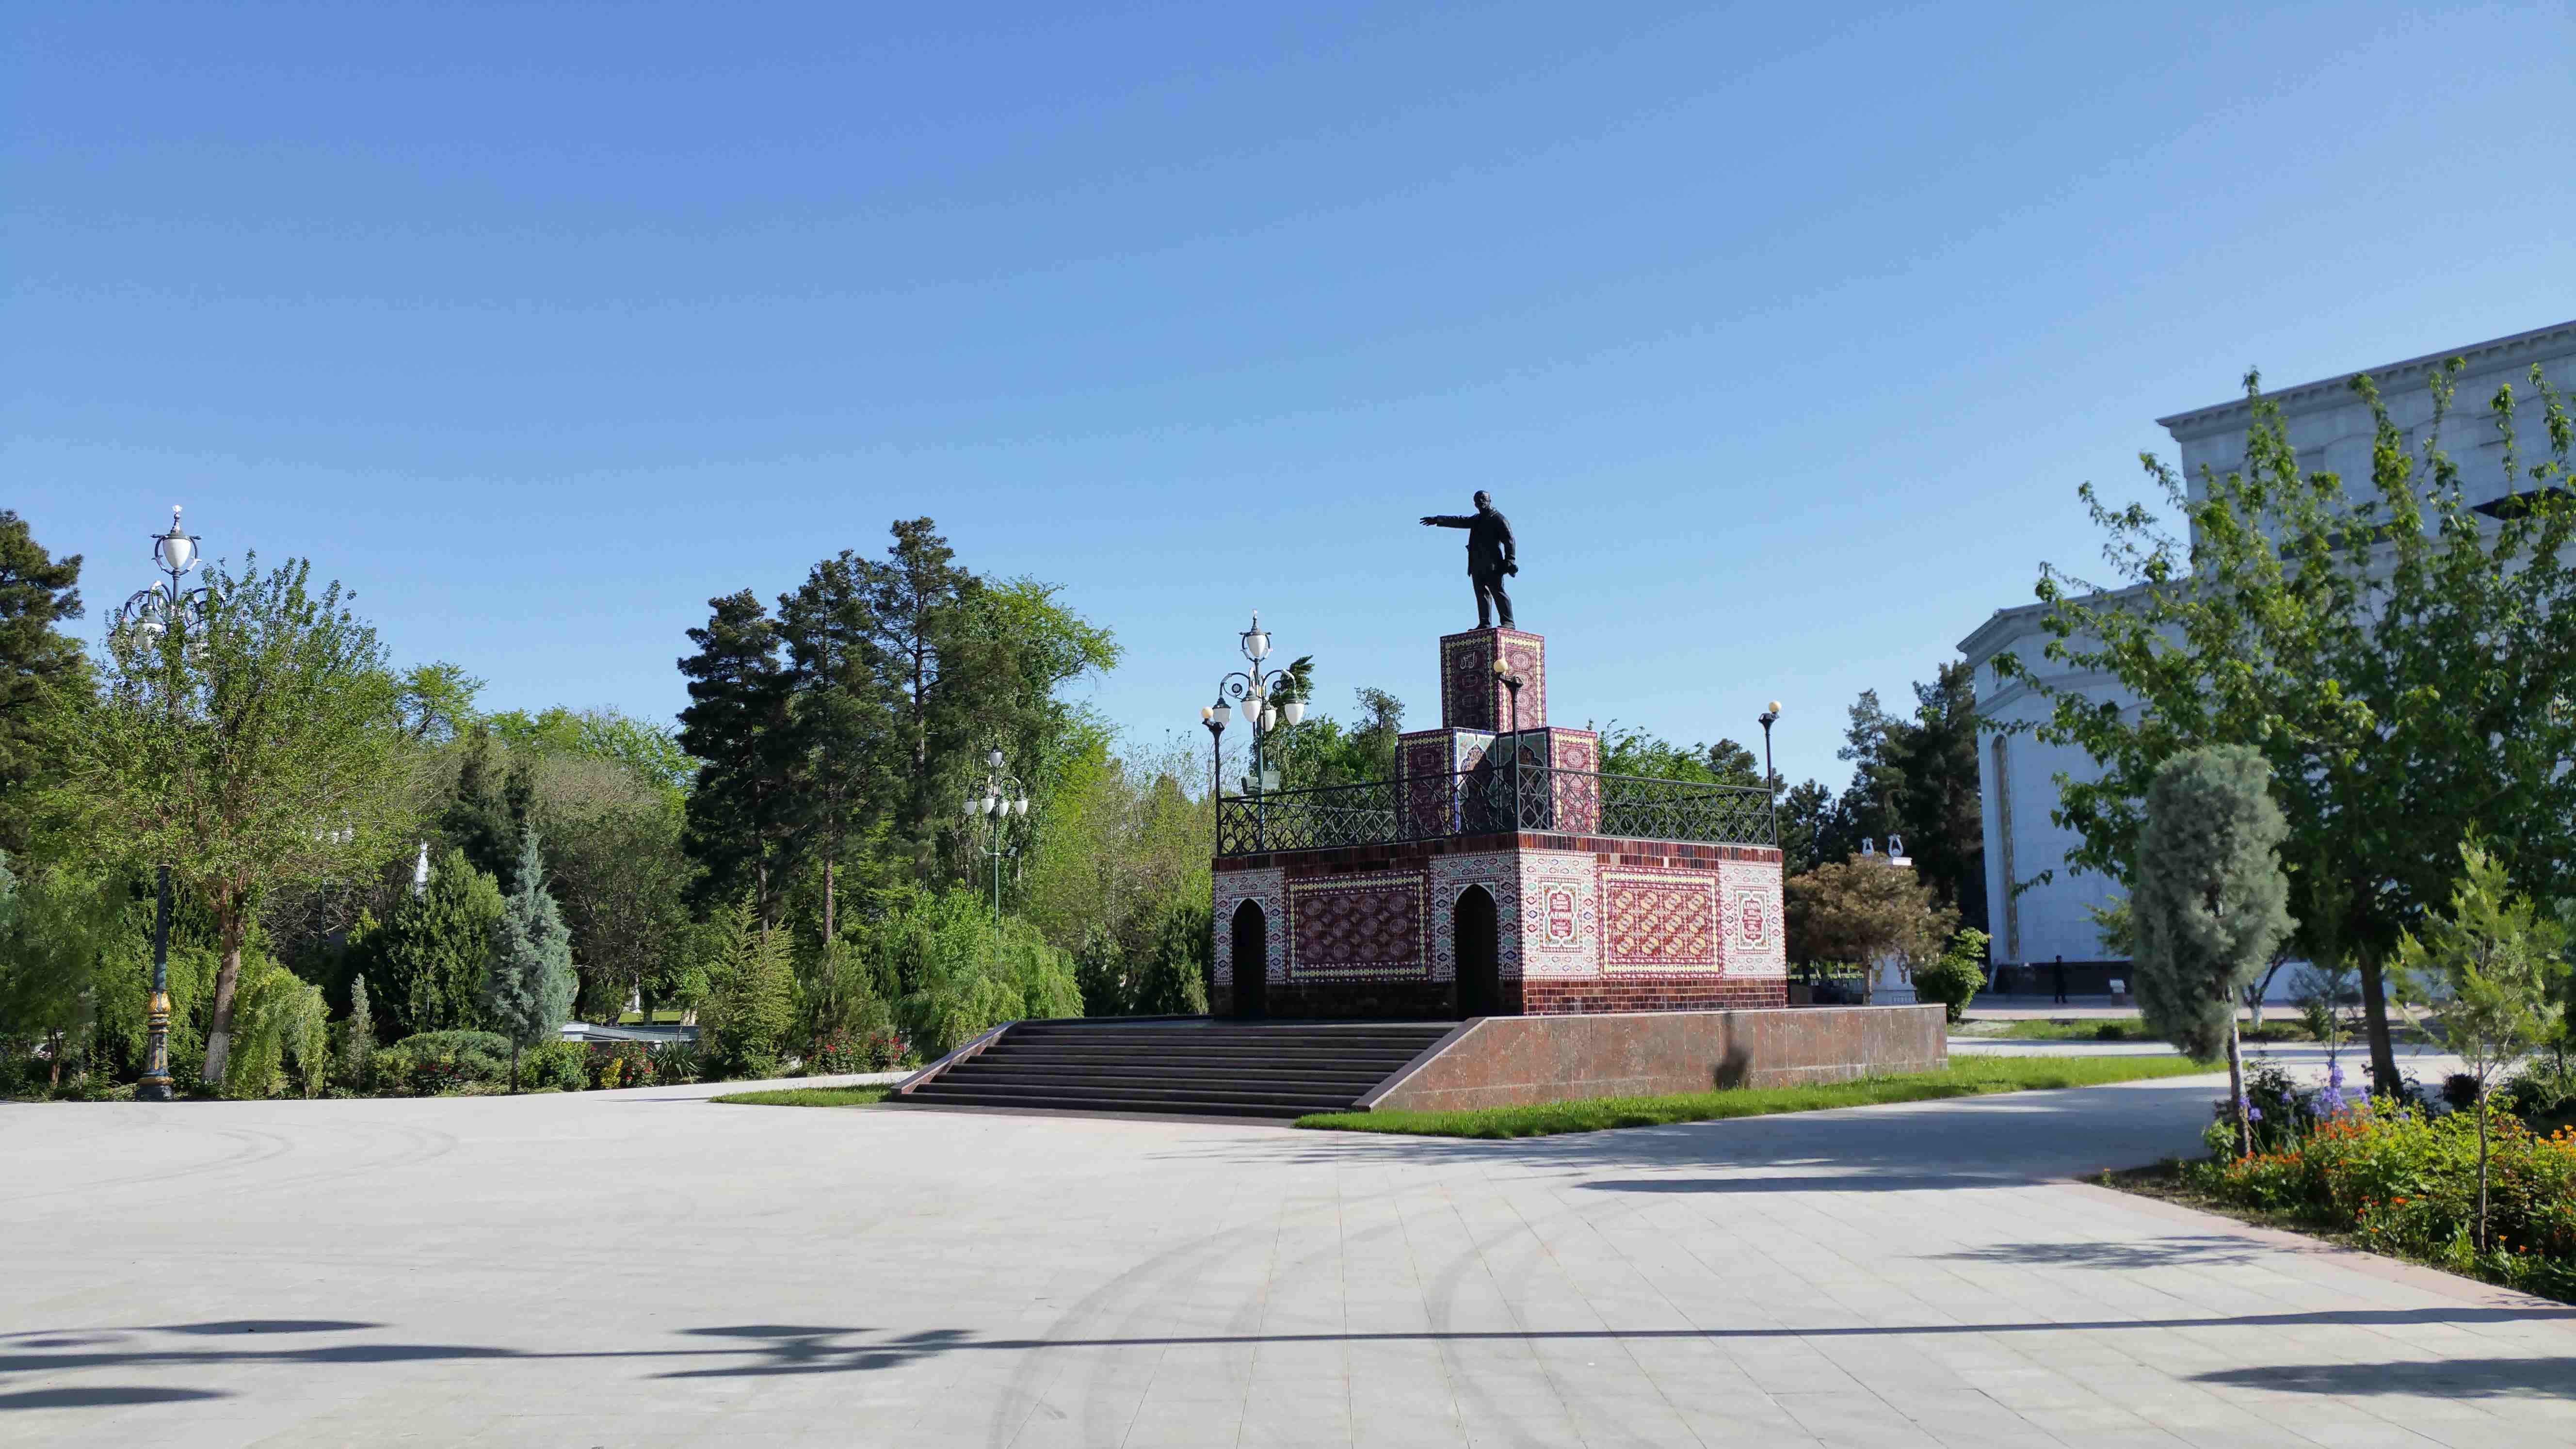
2149,1253
2455,1378
756,1350
1810,1182
103,1397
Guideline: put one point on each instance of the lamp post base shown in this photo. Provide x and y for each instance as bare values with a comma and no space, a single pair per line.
149,1090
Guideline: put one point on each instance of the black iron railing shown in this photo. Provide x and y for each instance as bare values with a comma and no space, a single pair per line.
1492,799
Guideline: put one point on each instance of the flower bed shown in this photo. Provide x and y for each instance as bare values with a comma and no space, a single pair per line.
2401,1178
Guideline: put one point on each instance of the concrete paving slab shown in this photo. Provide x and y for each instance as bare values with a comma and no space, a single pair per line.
650,1268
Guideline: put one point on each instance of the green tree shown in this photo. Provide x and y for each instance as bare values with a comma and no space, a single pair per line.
2503,961
226,743
437,702
746,812
622,878
2211,902
42,669
648,751
1636,752
1936,804
1865,911
751,996
2399,656
527,990
839,713
280,1021
358,1040
488,808
1808,827
432,956
59,932
1174,979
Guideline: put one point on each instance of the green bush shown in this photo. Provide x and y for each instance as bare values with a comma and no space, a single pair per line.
562,1065
1958,976
957,974
278,1021
440,1061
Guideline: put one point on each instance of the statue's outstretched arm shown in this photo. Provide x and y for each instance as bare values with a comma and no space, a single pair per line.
1446,520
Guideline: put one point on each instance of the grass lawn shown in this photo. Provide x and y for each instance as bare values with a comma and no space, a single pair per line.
808,1097
1964,1077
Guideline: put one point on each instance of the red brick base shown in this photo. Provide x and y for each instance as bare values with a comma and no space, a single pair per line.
1544,996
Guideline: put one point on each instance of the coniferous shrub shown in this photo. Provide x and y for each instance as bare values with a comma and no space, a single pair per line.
2211,902
751,1001
431,958
357,1037
440,1061
528,989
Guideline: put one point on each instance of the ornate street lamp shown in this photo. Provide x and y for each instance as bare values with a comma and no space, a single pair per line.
1213,717
1511,684
143,624
1253,690
1004,799
1771,781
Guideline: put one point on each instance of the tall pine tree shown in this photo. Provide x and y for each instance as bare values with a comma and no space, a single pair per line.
42,669
840,712
746,813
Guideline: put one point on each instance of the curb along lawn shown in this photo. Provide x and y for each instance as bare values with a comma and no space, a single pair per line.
808,1097
1964,1077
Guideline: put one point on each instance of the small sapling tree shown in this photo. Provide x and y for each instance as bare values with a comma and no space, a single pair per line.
2502,961
2211,902
528,992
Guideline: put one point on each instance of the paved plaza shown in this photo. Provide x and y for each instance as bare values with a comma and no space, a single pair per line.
647,1268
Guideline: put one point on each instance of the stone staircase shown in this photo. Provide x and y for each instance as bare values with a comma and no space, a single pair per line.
1196,1067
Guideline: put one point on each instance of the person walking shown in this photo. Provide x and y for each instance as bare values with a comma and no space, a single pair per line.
2058,969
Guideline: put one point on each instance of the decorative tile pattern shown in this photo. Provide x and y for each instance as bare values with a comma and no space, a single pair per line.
1364,925
1560,913
1268,889
1469,697
1756,942
1451,875
1660,920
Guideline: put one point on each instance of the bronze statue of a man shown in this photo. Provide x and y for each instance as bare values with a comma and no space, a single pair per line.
1489,556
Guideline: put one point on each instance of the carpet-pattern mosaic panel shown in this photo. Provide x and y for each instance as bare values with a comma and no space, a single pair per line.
1756,941
1660,920
1451,875
1432,762
1268,889
1369,925
1469,697
1560,913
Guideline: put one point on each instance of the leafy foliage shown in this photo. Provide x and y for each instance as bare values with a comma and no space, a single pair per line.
2502,961
1956,978
2399,658
253,744
1865,911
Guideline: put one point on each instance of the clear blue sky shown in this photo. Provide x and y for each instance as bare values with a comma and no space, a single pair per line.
1782,333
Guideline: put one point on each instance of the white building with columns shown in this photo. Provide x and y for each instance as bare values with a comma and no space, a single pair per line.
2332,430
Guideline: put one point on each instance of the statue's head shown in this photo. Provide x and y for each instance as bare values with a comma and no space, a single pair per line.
1484,500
